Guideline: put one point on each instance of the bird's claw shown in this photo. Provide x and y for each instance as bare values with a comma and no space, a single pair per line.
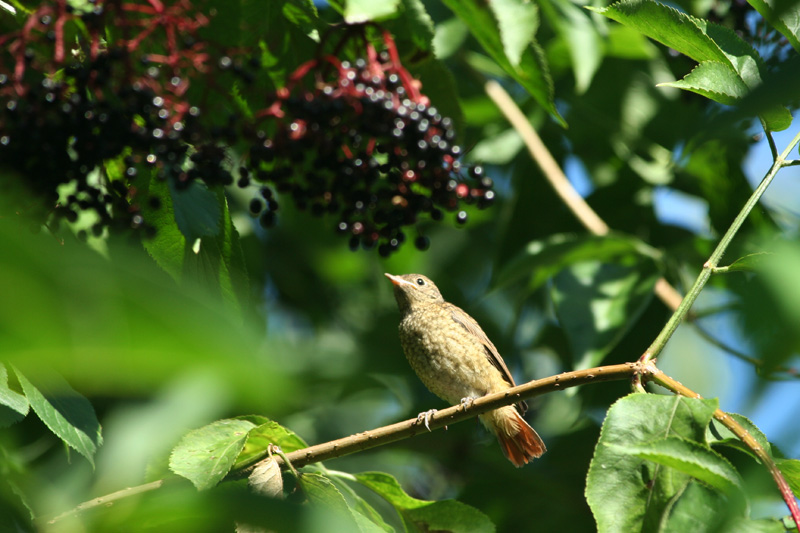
467,402
425,417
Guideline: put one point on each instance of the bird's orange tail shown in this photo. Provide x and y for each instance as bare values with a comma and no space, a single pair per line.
519,441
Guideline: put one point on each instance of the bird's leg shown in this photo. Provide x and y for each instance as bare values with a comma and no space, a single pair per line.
467,402
425,416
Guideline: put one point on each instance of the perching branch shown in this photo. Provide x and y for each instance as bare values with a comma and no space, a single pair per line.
400,430
457,413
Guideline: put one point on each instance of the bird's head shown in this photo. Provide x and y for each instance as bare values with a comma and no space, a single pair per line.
414,290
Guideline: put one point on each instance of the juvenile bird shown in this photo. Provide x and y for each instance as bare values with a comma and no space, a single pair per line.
457,362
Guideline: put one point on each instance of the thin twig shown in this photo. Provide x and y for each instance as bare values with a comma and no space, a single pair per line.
107,500
713,261
772,148
558,180
652,373
758,363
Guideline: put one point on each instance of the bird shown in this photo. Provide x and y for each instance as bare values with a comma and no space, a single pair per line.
457,362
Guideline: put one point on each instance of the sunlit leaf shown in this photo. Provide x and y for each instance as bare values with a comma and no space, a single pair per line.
264,433
739,65
518,22
597,303
357,11
790,468
13,405
449,37
204,456
540,260
577,29
712,79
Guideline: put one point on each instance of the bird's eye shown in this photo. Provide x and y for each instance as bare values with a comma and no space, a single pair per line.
420,282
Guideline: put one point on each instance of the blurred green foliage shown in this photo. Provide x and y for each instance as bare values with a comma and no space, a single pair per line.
289,325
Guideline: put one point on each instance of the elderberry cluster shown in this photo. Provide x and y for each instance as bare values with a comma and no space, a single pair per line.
86,123
55,135
69,115
371,151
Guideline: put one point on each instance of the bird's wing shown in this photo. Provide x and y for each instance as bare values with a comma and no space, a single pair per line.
472,327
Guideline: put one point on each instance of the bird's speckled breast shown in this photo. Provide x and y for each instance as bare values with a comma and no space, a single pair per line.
448,360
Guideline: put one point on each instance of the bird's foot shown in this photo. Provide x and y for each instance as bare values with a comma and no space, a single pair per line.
467,402
425,417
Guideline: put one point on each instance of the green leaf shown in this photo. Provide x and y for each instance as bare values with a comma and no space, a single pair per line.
266,432
702,41
701,509
13,405
696,38
577,29
690,458
746,525
627,43
449,37
422,515
417,25
68,414
498,149
338,515
626,492
358,503
790,468
712,79
288,32
783,15
440,86
358,11
718,434
542,259
218,265
777,118
303,14
204,456
597,303
532,71
518,22
698,508
241,102
196,210
750,262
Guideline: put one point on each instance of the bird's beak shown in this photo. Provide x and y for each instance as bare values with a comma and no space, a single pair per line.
397,280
